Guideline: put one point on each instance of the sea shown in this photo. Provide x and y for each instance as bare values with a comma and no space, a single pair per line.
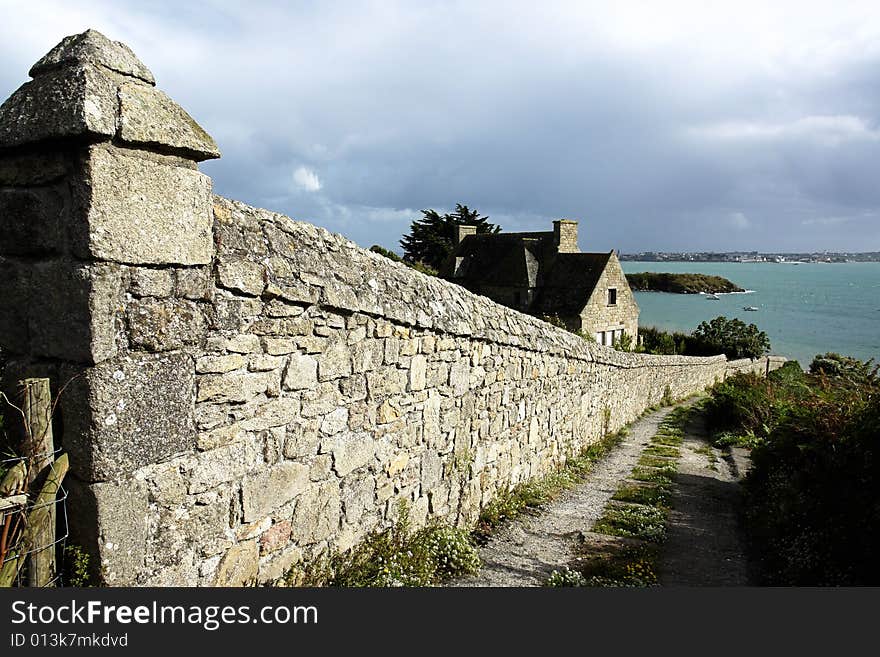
805,309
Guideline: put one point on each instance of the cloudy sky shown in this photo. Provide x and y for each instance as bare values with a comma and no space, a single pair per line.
659,125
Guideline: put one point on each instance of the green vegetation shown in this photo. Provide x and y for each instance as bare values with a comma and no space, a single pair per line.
721,335
633,521
845,367
732,337
653,461
656,341
660,474
628,566
661,450
667,439
396,557
813,492
680,283
76,567
431,239
623,343
656,496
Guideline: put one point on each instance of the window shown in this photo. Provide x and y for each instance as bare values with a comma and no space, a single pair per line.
612,296
599,337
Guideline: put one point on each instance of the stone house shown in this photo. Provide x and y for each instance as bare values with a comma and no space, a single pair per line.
545,274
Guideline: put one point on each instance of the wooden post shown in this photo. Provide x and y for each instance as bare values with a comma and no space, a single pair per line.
43,506
39,448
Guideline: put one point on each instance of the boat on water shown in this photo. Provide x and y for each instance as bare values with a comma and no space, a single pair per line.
750,308
712,297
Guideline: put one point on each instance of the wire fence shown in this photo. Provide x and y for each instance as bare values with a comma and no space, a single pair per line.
18,508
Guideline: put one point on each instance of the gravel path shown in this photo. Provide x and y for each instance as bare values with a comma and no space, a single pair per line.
524,552
705,545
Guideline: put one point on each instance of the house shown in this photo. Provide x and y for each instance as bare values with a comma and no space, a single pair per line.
545,274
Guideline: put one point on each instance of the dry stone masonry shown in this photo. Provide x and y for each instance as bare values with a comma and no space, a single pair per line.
240,391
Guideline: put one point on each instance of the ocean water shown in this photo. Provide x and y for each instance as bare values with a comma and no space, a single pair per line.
805,309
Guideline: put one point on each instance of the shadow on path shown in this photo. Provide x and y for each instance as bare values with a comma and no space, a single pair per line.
705,545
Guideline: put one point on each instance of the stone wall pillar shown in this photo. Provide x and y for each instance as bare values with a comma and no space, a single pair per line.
104,217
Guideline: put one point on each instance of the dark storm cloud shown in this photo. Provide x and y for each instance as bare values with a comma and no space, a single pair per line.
659,126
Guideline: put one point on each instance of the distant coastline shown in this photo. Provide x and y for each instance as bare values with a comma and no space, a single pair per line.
752,256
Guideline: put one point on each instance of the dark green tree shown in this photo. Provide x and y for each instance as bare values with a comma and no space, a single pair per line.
431,239
728,336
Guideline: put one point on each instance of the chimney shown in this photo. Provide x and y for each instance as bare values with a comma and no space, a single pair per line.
462,231
565,236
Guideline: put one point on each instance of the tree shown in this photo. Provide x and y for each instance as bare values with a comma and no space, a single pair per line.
431,239
732,337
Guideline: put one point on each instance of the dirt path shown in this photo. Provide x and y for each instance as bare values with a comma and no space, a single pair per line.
704,545
527,550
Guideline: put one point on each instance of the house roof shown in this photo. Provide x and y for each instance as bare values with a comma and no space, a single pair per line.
569,282
499,259
564,281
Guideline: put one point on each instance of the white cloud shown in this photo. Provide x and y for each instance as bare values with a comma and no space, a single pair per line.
739,221
306,179
826,221
830,130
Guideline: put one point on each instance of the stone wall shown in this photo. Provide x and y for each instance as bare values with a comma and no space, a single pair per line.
240,391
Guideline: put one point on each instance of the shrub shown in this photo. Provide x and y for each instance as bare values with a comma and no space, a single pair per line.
623,343
742,402
656,341
732,337
566,577
813,491
397,557
844,367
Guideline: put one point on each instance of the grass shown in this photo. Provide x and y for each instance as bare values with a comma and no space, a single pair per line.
745,438
654,475
654,461
652,495
640,521
662,450
667,440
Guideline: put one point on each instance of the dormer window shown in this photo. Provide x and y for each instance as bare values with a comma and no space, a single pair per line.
612,296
